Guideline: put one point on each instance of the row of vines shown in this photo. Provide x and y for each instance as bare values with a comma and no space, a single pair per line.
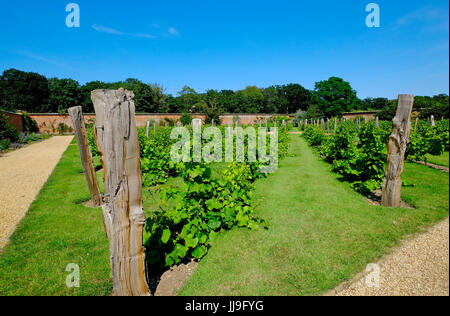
191,216
359,154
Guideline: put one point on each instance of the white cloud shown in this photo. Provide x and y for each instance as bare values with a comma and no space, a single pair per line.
30,54
103,29
108,30
173,31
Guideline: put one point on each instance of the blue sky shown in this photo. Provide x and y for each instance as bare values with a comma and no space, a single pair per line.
230,44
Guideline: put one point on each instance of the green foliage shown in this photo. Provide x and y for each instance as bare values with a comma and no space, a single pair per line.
300,116
335,96
189,218
4,144
64,129
428,140
203,208
29,124
64,94
314,112
186,119
387,113
7,131
211,107
92,144
23,91
358,155
156,164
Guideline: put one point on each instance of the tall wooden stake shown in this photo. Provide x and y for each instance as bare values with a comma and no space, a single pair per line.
399,139
76,114
123,213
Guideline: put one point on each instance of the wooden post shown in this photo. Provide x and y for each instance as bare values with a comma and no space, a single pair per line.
86,157
399,139
328,125
377,121
415,125
123,213
335,124
148,129
433,123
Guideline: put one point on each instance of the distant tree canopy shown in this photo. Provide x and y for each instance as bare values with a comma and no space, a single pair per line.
34,93
335,96
26,91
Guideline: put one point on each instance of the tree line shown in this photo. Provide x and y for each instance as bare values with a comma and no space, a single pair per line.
34,93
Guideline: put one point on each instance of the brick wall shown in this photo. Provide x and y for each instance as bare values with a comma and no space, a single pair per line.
15,120
49,122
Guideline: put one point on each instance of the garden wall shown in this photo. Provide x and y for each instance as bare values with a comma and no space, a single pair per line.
368,115
15,120
50,122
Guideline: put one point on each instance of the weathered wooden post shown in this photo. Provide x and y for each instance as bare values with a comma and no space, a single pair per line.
123,213
335,124
148,129
399,139
377,122
328,125
433,123
76,114
415,125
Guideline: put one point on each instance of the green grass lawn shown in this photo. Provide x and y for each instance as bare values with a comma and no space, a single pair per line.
58,230
321,233
442,160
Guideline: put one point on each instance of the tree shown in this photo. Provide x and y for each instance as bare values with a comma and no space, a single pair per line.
374,103
273,101
26,91
85,92
250,100
335,96
189,98
300,115
227,100
314,112
296,96
388,112
211,107
64,94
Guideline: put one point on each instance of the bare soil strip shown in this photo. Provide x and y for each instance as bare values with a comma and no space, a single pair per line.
418,267
22,175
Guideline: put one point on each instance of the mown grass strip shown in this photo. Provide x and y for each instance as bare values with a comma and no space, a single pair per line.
322,232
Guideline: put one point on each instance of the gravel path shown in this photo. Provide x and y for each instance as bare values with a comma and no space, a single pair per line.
418,267
22,174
